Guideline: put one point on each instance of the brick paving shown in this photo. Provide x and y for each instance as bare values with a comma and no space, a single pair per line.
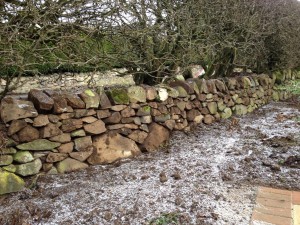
276,207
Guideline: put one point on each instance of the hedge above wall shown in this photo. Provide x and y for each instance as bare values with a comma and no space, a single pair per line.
52,132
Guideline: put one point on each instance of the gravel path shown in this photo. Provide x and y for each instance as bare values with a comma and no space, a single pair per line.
208,176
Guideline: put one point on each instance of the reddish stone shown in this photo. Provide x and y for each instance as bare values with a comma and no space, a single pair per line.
53,118
62,138
104,101
192,114
40,100
60,104
103,114
128,112
209,119
158,135
138,136
113,119
16,126
97,127
66,148
50,130
83,155
184,85
56,157
71,125
40,121
74,101
28,134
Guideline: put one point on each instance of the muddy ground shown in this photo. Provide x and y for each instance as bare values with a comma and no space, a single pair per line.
208,176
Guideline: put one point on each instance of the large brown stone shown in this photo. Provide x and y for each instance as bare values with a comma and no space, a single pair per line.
151,92
101,114
53,118
40,100
83,155
89,119
192,114
50,130
128,112
66,148
104,101
114,118
70,165
170,124
28,134
12,109
75,102
97,127
82,143
56,157
138,136
220,85
70,125
40,121
209,119
61,138
158,135
184,85
112,147
211,87
16,126
60,104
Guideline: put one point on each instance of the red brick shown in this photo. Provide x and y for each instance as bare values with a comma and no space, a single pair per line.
276,220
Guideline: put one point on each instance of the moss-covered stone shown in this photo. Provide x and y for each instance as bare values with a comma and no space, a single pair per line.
162,118
119,96
136,94
275,96
78,133
280,77
212,107
69,165
10,168
10,182
182,92
144,111
28,169
227,113
173,93
5,160
39,145
23,157
8,151
240,110
246,82
90,98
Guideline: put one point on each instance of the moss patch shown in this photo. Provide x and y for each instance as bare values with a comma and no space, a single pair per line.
119,96
10,182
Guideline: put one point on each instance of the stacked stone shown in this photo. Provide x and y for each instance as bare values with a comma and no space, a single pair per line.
57,133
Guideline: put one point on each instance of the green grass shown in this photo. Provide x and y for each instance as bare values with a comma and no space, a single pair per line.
292,86
166,219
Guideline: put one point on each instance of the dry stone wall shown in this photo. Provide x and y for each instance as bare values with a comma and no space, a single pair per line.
51,132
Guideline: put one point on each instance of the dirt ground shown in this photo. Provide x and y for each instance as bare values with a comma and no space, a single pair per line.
208,176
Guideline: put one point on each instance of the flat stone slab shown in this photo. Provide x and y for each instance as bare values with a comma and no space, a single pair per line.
12,109
276,207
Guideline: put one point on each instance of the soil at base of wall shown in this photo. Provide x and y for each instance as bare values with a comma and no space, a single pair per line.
208,176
